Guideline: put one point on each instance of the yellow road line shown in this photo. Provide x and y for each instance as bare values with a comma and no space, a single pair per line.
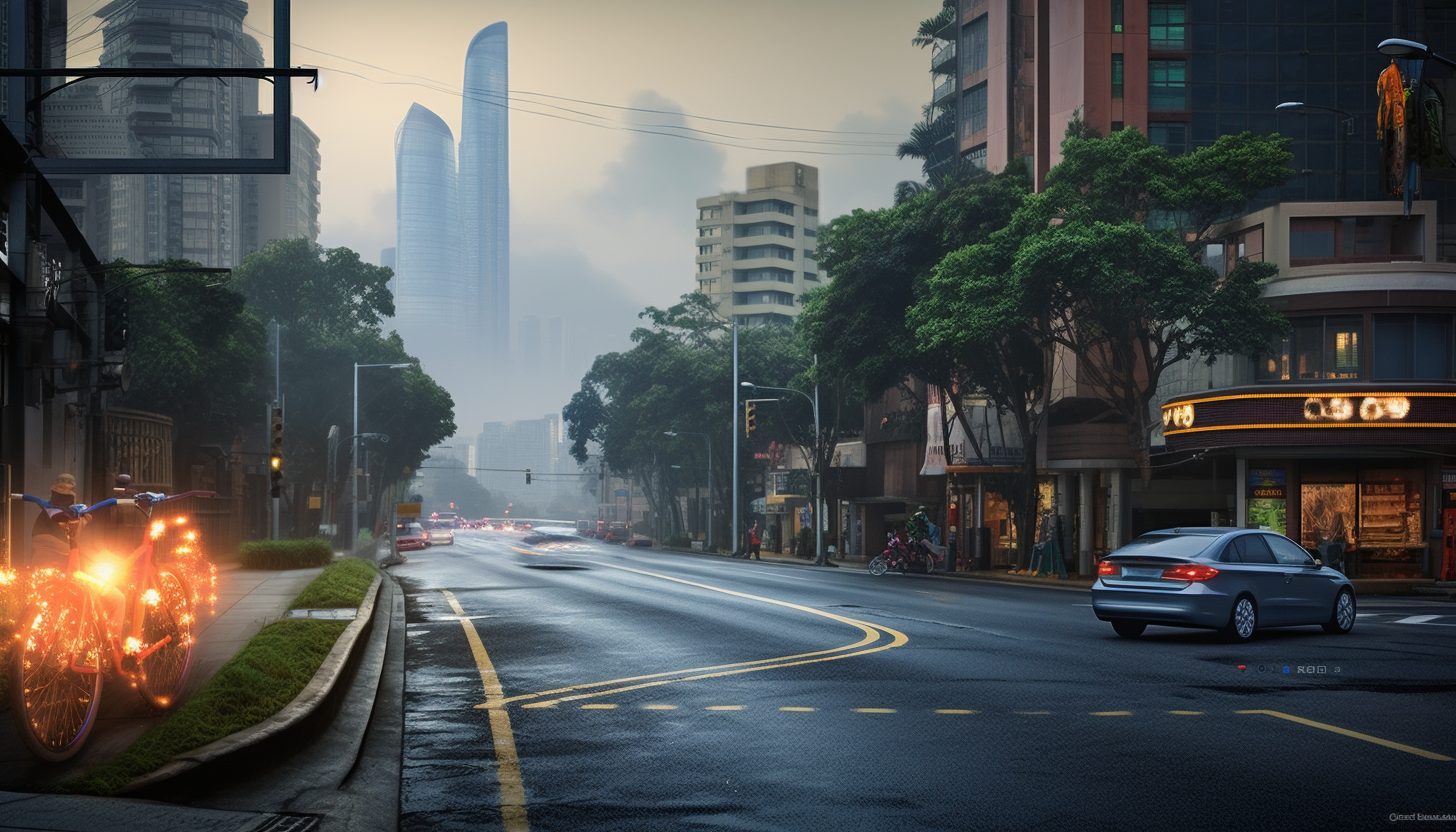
1031,713
508,764
1111,713
953,711
798,710
873,633
724,708
659,707
1186,713
873,710
1430,755
599,706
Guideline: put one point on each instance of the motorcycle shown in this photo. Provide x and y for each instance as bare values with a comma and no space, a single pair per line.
902,556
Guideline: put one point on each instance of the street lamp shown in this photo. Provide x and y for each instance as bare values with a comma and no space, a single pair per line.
709,442
818,480
1414,50
1348,122
354,446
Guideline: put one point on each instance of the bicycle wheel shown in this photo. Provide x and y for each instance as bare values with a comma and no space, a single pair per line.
54,704
878,565
162,672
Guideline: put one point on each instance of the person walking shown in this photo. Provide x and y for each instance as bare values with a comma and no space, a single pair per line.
754,543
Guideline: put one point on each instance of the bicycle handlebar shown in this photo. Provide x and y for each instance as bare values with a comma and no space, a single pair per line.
80,510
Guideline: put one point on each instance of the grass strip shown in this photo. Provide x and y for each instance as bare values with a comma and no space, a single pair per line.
340,586
285,554
265,675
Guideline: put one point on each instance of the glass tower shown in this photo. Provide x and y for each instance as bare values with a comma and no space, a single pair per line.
485,191
430,312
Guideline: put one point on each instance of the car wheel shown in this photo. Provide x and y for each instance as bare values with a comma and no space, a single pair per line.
1243,620
1128,629
1342,618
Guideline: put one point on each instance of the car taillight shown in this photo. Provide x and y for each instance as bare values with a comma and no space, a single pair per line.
1190,572
1108,569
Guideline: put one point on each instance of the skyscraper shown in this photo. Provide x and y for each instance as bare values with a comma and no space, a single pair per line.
427,302
485,188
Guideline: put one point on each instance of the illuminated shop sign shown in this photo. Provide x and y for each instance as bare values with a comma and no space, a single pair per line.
1400,413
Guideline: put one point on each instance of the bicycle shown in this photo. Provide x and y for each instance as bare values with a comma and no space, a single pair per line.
67,639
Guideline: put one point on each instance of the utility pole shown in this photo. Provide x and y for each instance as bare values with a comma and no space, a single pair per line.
734,521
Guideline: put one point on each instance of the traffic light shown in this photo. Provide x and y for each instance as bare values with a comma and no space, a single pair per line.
528,476
275,452
115,316
749,410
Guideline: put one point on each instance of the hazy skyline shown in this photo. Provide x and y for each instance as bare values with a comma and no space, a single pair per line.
602,218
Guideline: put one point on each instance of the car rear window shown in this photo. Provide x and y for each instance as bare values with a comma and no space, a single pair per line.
1169,545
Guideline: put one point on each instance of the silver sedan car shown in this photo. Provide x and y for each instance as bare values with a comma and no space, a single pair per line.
1231,580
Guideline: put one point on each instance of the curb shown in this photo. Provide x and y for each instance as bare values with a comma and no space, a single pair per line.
294,717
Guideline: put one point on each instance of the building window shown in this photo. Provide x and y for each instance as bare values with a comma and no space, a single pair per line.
755,275
1412,346
974,41
1117,75
976,157
709,231
709,213
1318,241
974,120
1319,348
811,212
1172,136
1167,26
710,266
780,298
1116,16
755,252
809,254
1167,85
814,276
760,229
764,206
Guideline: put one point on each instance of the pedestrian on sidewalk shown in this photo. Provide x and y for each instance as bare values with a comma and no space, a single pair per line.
754,543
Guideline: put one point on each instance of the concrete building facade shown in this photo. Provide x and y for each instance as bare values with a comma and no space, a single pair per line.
756,249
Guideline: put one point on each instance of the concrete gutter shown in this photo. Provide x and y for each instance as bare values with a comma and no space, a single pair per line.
308,713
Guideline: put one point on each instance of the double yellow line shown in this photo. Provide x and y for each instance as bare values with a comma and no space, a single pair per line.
513,795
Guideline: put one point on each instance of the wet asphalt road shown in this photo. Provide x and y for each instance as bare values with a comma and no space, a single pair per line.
641,690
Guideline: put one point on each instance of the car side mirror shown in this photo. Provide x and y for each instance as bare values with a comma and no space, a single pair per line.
1318,562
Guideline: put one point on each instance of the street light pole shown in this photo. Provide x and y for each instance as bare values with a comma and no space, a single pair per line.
819,559
1348,123
733,525
354,455
709,442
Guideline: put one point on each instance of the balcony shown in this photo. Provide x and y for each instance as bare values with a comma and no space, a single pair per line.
942,57
944,90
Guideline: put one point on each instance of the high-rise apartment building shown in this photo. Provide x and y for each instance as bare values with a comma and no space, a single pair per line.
537,444
756,249
280,207
212,219
427,308
485,191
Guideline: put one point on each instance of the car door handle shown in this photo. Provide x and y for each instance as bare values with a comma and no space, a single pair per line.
1288,576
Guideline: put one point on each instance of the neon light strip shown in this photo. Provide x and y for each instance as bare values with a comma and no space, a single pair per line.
1313,393
1282,426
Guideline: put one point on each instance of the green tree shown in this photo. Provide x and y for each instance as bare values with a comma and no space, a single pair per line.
329,306
1112,251
194,352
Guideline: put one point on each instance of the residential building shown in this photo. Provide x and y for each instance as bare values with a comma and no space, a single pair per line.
485,192
756,248
427,308
280,207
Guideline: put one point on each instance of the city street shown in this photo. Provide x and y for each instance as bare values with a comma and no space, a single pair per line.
576,685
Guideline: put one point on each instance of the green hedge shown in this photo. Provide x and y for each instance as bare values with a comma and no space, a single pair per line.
286,554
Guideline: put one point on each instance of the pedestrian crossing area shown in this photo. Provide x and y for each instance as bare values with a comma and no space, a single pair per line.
1448,620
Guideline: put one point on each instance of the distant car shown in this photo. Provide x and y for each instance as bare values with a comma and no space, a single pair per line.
1231,580
409,537
441,537
640,540
617,532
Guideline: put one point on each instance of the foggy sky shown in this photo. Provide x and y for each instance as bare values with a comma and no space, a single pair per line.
602,219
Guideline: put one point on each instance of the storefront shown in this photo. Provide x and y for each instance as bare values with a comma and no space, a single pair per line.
1353,475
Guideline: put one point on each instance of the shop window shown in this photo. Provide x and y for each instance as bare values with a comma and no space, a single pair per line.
1412,346
1319,348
